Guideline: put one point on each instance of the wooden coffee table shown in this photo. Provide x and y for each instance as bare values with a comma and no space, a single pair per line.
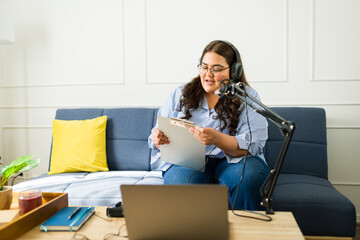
283,226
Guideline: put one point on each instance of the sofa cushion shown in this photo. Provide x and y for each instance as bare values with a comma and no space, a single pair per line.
76,114
95,189
50,183
79,146
127,129
315,202
127,134
307,153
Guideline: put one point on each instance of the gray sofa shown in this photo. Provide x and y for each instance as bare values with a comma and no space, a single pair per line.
302,188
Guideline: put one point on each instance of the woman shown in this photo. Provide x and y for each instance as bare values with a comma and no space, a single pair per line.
227,128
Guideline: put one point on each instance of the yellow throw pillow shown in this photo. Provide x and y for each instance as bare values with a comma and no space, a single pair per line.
79,146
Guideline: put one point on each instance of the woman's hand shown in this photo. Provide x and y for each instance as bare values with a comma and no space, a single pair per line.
210,136
159,138
207,136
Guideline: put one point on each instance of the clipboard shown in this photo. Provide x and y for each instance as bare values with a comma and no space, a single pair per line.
184,149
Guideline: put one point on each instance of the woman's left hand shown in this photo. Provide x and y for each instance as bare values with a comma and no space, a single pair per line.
207,135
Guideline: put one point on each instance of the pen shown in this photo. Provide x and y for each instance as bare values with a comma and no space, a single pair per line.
74,212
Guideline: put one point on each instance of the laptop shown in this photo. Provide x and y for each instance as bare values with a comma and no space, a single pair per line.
176,211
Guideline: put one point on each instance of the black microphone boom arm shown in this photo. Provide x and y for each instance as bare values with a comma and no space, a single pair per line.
287,129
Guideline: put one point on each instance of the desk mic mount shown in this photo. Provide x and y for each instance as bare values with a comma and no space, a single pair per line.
230,89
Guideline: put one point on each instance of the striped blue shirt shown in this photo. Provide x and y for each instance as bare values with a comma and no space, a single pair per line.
204,117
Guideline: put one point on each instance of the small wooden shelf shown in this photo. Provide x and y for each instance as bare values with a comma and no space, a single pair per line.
52,203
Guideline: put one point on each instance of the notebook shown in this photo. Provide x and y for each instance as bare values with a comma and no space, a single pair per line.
60,222
176,211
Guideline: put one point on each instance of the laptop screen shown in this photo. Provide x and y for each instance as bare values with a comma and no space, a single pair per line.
176,211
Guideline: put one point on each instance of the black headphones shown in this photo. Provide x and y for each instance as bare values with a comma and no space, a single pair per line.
236,67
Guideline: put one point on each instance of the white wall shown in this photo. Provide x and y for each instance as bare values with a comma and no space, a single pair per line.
112,53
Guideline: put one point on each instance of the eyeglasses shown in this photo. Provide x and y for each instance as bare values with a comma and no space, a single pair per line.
116,235
109,236
216,71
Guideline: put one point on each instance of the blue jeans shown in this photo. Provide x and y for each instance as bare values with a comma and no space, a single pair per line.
229,174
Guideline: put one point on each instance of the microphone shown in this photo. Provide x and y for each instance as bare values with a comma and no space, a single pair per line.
227,88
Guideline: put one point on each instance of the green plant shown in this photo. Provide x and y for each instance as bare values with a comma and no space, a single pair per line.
19,165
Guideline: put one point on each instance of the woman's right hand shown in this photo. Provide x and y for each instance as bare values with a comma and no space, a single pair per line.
159,138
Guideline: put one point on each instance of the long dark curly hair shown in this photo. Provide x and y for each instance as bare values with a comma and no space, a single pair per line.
228,109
